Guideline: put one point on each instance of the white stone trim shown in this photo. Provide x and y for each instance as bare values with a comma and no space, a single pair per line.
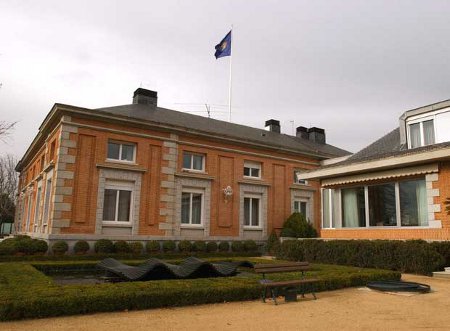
248,189
119,175
193,184
298,194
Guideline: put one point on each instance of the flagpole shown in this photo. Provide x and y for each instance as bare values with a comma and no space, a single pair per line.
231,75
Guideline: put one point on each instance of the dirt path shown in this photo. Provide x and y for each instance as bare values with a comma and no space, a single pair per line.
348,309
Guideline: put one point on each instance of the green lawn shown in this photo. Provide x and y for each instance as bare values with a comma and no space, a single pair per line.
26,292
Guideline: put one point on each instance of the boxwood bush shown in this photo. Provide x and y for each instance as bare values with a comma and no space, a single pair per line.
169,246
199,246
23,245
297,226
415,256
185,246
104,246
122,247
81,247
211,246
39,247
237,246
60,247
152,246
136,247
250,246
224,246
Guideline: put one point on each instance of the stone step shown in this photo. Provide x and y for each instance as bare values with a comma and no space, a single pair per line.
441,274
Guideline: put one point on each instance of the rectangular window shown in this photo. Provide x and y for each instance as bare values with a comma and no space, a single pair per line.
421,134
428,132
48,191
297,179
37,208
30,200
193,161
191,208
117,205
251,211
302,206
252,169
121,151
382,207
353,207
413,203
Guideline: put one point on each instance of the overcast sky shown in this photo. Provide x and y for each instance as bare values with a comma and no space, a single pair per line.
350,67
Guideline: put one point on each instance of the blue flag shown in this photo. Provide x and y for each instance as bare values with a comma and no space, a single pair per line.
224,47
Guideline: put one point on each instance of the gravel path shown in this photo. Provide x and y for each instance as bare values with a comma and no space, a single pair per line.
348,309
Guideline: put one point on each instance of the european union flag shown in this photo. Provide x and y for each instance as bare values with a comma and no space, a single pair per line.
224,47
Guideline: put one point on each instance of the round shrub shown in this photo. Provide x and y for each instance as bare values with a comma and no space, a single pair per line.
185,246
39,246
298,227
81,247
121,247
23,245
60,247
136,247
211,246
250,246
237,246
104,246
8,247
199,246
169,246
152,246
224,246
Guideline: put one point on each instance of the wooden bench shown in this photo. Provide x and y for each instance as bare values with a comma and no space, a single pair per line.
275,287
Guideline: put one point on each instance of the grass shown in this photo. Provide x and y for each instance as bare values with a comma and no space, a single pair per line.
26,292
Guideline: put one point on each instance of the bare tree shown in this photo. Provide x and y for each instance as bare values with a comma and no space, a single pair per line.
5,129
8,188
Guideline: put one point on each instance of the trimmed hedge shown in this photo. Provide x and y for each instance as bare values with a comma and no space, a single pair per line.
104,246
199,246
60,247
152,246
169,246
414,256
211,246
185,246
81,247
27,293
23,245
250,246
237,246
136,247
224,246
122,247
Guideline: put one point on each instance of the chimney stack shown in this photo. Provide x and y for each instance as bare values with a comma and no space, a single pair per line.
302,132
145,97
273,125
317,135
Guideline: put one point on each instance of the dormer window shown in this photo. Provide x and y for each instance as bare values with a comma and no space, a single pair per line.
421,133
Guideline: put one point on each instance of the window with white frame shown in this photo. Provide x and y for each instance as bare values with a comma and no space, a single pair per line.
125,152
192,207
301,205
297,180
193,161
252,211
421,133
252,169
397,204
117,203
37,209
48,192
30,201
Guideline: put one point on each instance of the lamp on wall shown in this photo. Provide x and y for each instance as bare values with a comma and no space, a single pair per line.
227,192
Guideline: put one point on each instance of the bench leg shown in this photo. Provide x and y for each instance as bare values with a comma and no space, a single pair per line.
263,296
274,295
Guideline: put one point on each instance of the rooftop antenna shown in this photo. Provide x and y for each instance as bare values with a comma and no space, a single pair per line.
293,127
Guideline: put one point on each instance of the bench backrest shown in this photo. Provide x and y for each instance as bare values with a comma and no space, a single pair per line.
270,268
